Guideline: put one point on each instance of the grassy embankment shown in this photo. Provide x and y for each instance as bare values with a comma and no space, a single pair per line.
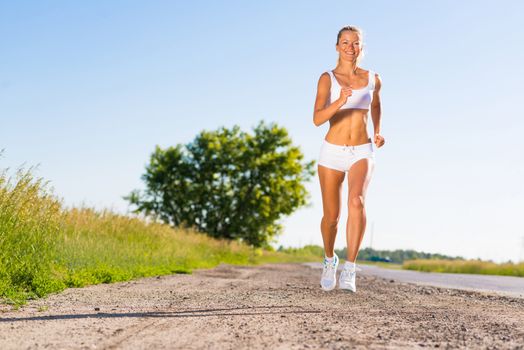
454,266
46,248
431,262
466,266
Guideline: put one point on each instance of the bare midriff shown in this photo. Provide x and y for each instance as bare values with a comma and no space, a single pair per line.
348,127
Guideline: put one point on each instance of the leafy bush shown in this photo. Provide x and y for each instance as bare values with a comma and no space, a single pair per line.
227,183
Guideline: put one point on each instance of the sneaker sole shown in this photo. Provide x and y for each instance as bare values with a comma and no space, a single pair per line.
348,289
328,289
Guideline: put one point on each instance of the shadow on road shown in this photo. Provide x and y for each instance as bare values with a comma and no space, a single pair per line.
160,314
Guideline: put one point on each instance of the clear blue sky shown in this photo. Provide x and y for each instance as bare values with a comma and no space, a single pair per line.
87,89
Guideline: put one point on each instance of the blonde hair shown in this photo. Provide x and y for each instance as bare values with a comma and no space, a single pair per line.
354,29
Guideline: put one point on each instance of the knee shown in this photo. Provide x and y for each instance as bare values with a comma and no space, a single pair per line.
357,202
330,220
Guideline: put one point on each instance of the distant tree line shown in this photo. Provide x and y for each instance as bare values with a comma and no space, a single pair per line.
395,256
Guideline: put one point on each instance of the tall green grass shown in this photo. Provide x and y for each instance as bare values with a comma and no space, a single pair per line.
466,266
30,227
45,247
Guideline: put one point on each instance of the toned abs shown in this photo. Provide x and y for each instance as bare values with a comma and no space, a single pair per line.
348,127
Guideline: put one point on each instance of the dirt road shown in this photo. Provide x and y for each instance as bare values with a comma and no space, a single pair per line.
269,306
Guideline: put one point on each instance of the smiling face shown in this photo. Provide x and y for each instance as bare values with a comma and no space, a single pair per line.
349,45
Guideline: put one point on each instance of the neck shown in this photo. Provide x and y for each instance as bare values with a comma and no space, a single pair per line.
347,67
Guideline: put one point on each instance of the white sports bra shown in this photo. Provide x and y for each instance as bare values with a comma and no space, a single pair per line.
360,98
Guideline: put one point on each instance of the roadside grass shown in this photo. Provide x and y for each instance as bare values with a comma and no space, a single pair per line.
103,247
466,266
45,248
30,222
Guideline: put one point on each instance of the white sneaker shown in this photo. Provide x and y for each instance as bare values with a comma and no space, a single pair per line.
329,274
347,279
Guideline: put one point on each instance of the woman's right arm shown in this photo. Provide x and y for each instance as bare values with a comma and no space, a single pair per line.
322,113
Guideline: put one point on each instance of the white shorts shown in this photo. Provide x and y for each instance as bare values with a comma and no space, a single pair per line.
342,157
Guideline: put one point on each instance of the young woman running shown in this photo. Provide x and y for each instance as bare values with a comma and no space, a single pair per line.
345,95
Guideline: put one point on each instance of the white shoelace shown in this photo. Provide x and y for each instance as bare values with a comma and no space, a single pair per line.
356,268
348,275
328,269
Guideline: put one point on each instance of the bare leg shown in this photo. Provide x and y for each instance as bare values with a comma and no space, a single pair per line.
331,185
358,180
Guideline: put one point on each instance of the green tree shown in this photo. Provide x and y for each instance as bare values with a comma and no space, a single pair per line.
227,183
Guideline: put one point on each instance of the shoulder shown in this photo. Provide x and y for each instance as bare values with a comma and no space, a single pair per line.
325,76
325,80
376,76
378,81
371,71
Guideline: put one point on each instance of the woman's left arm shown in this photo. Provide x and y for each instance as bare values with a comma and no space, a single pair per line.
376,112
